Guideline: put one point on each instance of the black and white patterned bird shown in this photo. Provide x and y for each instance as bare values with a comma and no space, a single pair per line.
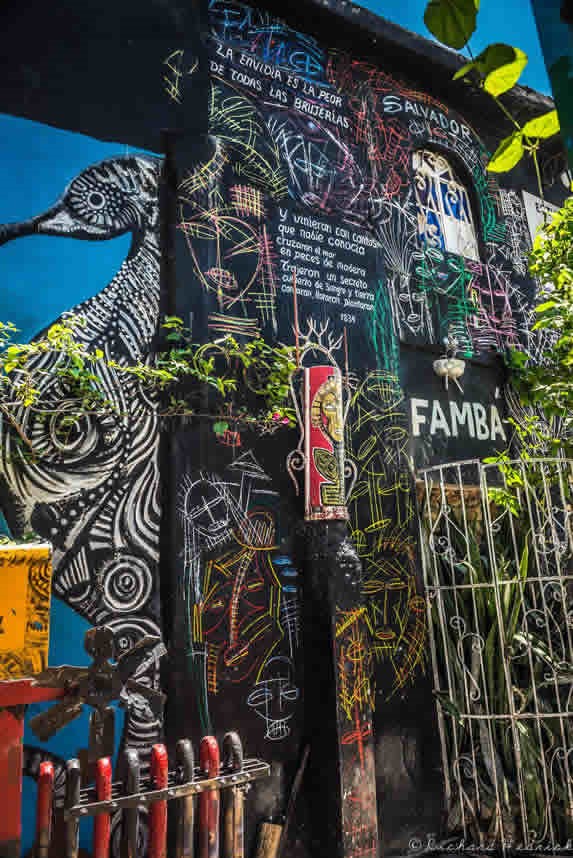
91,487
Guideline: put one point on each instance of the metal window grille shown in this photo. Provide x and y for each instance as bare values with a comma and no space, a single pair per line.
497,552
444,211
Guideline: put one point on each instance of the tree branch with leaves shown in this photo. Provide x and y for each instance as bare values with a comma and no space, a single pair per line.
495,71
248,382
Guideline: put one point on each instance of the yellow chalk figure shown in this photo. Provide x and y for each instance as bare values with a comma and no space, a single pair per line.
25,588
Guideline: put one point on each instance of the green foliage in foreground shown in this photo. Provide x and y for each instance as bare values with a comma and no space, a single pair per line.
495,71
548,385
236,385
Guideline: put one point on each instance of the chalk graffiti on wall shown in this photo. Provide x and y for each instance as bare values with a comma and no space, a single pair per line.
296,128
348,141
225,226
430,303
343,137
240,594
272,43
382,516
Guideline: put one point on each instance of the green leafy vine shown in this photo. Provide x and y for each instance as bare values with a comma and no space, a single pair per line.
228,382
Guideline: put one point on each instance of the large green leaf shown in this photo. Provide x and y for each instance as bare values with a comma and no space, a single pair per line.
452,22
507,154
465,70
499,66
504,65
545,125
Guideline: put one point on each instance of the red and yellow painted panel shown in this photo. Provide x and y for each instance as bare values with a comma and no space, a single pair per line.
324,444
25,584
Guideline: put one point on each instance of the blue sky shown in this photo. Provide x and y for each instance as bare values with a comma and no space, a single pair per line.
509,21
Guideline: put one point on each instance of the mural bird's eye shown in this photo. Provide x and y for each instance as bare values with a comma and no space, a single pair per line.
96,200
102,203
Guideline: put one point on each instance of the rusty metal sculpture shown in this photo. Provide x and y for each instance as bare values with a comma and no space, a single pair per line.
97,686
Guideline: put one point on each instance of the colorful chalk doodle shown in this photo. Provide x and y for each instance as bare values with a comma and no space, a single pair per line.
316,173
347,140
240,594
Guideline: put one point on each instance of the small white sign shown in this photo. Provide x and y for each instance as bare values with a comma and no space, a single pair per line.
536,211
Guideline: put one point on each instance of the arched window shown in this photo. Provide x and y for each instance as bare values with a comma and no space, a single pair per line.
444,210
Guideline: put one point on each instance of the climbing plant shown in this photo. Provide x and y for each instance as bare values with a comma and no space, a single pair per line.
495,71
248,382
548,384
251,378
544,387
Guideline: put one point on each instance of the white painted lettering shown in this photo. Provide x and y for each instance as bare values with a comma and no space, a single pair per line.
417,418
461,417
496,426
391,104
439,422
480,417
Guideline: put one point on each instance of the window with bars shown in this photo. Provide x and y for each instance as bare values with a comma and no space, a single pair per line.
444,212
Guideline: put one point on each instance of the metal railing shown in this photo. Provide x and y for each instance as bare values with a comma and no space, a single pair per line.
497,548
131,816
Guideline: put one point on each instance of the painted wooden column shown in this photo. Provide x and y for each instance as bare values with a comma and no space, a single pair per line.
338,693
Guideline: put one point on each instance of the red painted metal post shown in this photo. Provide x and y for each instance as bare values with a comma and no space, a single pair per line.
44,810
14,693
11,731
158,810
102,822
209,761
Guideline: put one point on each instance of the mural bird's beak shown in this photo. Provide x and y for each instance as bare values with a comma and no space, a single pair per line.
10,231
55,221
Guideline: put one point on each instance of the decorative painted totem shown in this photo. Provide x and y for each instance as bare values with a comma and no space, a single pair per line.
320,453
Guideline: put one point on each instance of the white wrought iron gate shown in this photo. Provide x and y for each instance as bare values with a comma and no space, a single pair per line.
497,552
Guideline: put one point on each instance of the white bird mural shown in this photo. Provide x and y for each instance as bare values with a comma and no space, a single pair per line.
91,487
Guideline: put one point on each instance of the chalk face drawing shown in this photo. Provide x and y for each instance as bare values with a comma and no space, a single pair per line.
240,596
382,517
274,696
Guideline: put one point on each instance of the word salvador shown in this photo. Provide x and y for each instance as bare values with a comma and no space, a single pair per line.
395,104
